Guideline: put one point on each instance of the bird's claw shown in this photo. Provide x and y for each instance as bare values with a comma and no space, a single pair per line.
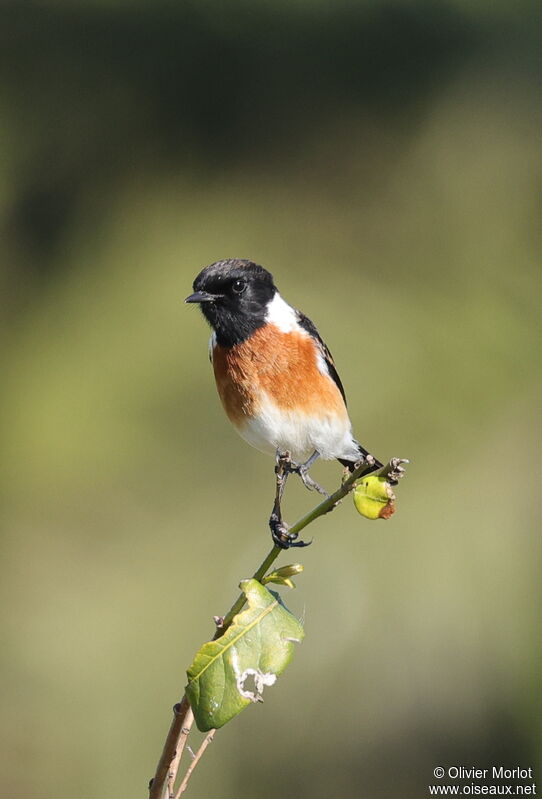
283,462
282,536
284,465
308,482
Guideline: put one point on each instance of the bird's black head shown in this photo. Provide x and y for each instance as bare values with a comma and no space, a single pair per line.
233,296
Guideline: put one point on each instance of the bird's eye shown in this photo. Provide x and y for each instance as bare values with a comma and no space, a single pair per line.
239,286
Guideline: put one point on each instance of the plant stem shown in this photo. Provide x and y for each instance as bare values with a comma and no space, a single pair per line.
166,773
197,757
174,767
320,510
183,718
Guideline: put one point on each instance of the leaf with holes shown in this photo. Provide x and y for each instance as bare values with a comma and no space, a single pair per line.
231,672
374,497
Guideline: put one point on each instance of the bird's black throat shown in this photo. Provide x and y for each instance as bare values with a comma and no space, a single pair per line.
242,291
232,326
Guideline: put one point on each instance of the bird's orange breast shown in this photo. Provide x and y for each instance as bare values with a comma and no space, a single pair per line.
283,366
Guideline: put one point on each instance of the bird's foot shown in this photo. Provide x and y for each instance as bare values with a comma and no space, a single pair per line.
303,471
281,535
284,465
283,462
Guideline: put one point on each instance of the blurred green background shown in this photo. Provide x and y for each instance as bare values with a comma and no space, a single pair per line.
384,161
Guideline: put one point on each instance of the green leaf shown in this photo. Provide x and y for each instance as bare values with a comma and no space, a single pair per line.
230,673
278,580
374,498
282,576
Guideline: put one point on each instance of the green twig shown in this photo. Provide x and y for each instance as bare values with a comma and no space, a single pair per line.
320,510
161,786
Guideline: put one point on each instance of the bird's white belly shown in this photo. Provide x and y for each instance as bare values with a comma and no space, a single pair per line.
300,434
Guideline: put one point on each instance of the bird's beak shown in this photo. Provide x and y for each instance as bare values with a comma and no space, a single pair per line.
203,296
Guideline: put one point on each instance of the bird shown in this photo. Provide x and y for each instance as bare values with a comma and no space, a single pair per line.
275,377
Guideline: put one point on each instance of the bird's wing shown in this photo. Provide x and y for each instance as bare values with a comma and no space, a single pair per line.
310,327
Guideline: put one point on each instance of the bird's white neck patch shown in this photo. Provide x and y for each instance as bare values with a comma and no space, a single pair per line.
282,315
212,345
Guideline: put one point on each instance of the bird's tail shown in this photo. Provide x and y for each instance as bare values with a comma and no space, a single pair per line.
351,465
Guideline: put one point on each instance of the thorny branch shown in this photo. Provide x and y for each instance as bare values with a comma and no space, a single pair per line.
163,782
